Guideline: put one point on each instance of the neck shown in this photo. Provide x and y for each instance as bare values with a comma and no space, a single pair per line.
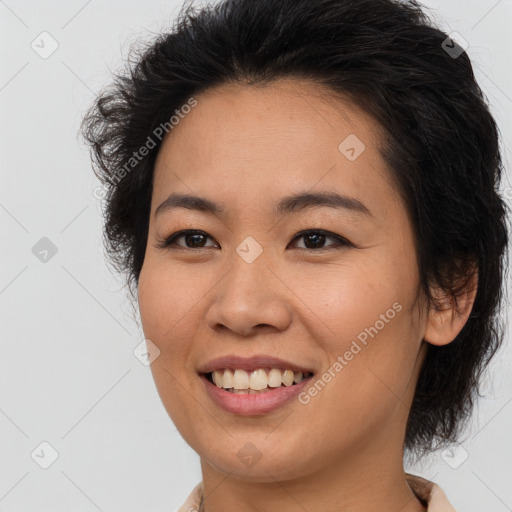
374,484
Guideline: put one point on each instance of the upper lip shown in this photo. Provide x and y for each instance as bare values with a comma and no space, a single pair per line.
251,363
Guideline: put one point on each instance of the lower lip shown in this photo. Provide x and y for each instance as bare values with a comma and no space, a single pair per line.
256,403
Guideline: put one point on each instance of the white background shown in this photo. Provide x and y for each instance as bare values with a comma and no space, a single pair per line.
67,369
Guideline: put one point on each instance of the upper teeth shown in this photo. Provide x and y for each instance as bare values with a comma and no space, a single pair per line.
257,379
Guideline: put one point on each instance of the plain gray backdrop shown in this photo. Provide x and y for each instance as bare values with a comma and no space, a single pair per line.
69,375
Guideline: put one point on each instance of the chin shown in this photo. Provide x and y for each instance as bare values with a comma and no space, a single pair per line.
251,464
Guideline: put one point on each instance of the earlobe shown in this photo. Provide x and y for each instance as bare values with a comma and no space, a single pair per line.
449,317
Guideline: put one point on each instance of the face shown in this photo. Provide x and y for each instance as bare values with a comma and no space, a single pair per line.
341,299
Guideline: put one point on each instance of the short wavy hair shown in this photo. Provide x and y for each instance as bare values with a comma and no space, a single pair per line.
440,142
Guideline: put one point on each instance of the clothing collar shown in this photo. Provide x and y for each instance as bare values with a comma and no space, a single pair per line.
429,493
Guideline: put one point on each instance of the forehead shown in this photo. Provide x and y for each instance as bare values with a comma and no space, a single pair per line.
260,142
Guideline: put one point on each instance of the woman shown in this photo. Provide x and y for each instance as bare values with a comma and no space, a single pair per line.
303,196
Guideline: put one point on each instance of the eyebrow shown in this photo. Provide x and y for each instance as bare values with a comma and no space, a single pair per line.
290,204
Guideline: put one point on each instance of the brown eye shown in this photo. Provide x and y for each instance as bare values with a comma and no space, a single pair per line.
193,239
315,239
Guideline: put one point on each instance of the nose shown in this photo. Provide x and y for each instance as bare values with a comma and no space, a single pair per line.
250,299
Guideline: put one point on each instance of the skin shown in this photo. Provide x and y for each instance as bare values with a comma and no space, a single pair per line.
247,147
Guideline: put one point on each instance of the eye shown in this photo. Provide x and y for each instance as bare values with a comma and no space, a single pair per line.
315,238
195,237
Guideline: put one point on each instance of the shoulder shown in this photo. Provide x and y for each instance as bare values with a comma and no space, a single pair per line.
194,499
431,494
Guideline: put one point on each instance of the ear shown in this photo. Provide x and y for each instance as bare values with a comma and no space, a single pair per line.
447,319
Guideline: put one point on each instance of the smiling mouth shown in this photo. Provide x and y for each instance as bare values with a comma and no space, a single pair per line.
248,390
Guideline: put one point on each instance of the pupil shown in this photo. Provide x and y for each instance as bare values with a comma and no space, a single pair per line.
318,240
196,236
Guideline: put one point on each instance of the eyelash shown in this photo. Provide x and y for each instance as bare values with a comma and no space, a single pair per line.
167,242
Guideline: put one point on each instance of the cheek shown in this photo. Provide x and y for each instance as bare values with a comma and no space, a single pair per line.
367,330
168,296
166,301
350,297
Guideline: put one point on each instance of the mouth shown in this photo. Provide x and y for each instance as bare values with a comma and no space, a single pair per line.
237,395
255,385
262,381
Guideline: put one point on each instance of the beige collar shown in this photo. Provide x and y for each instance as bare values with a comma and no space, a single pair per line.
429,493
